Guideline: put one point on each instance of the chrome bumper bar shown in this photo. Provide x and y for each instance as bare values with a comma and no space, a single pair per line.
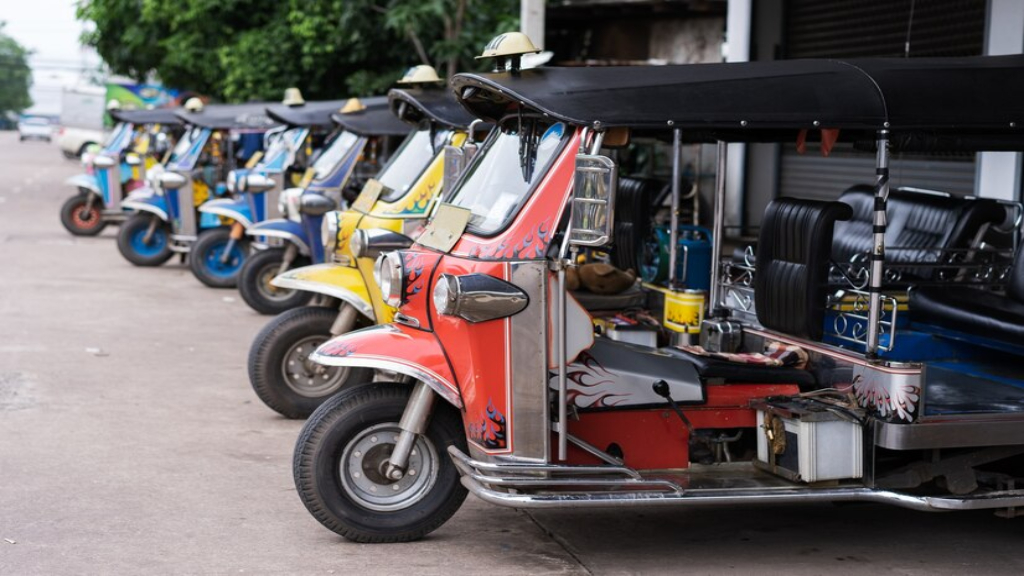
555,486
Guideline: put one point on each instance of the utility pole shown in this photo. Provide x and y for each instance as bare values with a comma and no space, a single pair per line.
531,21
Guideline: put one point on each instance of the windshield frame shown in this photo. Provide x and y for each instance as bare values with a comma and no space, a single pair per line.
541,172
186,145
339,160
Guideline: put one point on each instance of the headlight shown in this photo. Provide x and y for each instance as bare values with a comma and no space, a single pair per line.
357,245
172,180
445,294
102,162
390,276
256,183
329,232
132,159
232,181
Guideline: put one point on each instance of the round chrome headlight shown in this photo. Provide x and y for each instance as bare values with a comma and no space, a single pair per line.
390,276
232,181
329,232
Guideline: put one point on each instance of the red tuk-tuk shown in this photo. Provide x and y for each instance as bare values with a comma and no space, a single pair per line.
812,381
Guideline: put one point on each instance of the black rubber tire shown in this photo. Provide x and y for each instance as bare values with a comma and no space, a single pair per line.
252,274
322,442
84,148
131,226
74,221
268,355
208,241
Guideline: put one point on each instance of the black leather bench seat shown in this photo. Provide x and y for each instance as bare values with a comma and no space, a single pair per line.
970,310
975,311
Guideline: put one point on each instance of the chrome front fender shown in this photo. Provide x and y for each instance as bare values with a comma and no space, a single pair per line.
280,228
394,348
237,210
144,200
84,181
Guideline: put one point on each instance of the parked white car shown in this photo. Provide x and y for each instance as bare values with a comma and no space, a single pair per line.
74,142
34,128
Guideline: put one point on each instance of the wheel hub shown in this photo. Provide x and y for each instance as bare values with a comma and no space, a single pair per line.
307,378
364,463
268,290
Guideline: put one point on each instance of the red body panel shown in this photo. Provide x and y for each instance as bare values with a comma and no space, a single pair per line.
657,439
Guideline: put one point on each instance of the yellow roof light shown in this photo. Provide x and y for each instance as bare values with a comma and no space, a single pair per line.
507,51
113,104
352,105
194,105
293,97
421,74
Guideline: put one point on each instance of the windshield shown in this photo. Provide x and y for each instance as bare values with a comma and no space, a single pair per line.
406,165
118,138
496,187
333,154
187,139
282,147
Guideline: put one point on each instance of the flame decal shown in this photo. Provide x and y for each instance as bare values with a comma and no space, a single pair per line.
591,385
415,281
533,244
338,349
490,431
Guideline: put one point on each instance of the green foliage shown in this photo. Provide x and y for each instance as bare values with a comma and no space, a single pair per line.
15,75
239,50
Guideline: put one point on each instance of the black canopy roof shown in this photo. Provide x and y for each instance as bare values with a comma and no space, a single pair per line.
375,120
154,116
309,114
734,101
252,116
435,105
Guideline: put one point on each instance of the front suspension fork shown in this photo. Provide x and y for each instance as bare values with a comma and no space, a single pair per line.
413,423
90,199
153,223
290,254
237,232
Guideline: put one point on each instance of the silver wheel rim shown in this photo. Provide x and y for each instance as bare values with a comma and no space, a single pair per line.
365,459
268,290
307,378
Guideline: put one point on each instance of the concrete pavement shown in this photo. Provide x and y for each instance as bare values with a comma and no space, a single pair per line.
131,443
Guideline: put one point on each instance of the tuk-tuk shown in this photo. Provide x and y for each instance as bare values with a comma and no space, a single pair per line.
137,141
167,220
496,363
289,150
392,209
367,133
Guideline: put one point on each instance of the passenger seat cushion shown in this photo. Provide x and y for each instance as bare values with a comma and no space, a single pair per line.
970,310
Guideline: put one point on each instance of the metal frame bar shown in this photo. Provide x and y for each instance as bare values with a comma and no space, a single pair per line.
878,251
677,137
719,222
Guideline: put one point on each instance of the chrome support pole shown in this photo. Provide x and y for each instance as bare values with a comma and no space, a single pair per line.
226,254
346,319
677,173
153,223
878,244
717,231
413,423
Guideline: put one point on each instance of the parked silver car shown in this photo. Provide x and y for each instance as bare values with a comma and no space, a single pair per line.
34,128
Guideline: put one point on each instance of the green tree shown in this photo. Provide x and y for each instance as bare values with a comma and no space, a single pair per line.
15,75
241,50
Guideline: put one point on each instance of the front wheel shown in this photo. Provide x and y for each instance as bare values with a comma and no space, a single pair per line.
81,219
257,291
280,370
216,259
145,240
343,451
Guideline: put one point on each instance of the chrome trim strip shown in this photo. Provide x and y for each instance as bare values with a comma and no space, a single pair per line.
303,247
364,307
949,434
144,207
438,384
836,353
233,214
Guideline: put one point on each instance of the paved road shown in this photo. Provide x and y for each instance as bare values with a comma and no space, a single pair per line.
131,443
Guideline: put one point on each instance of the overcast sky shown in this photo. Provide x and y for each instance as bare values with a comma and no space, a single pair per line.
49,28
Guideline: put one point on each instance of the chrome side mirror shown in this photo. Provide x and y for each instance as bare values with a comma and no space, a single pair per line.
593,200
454,163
